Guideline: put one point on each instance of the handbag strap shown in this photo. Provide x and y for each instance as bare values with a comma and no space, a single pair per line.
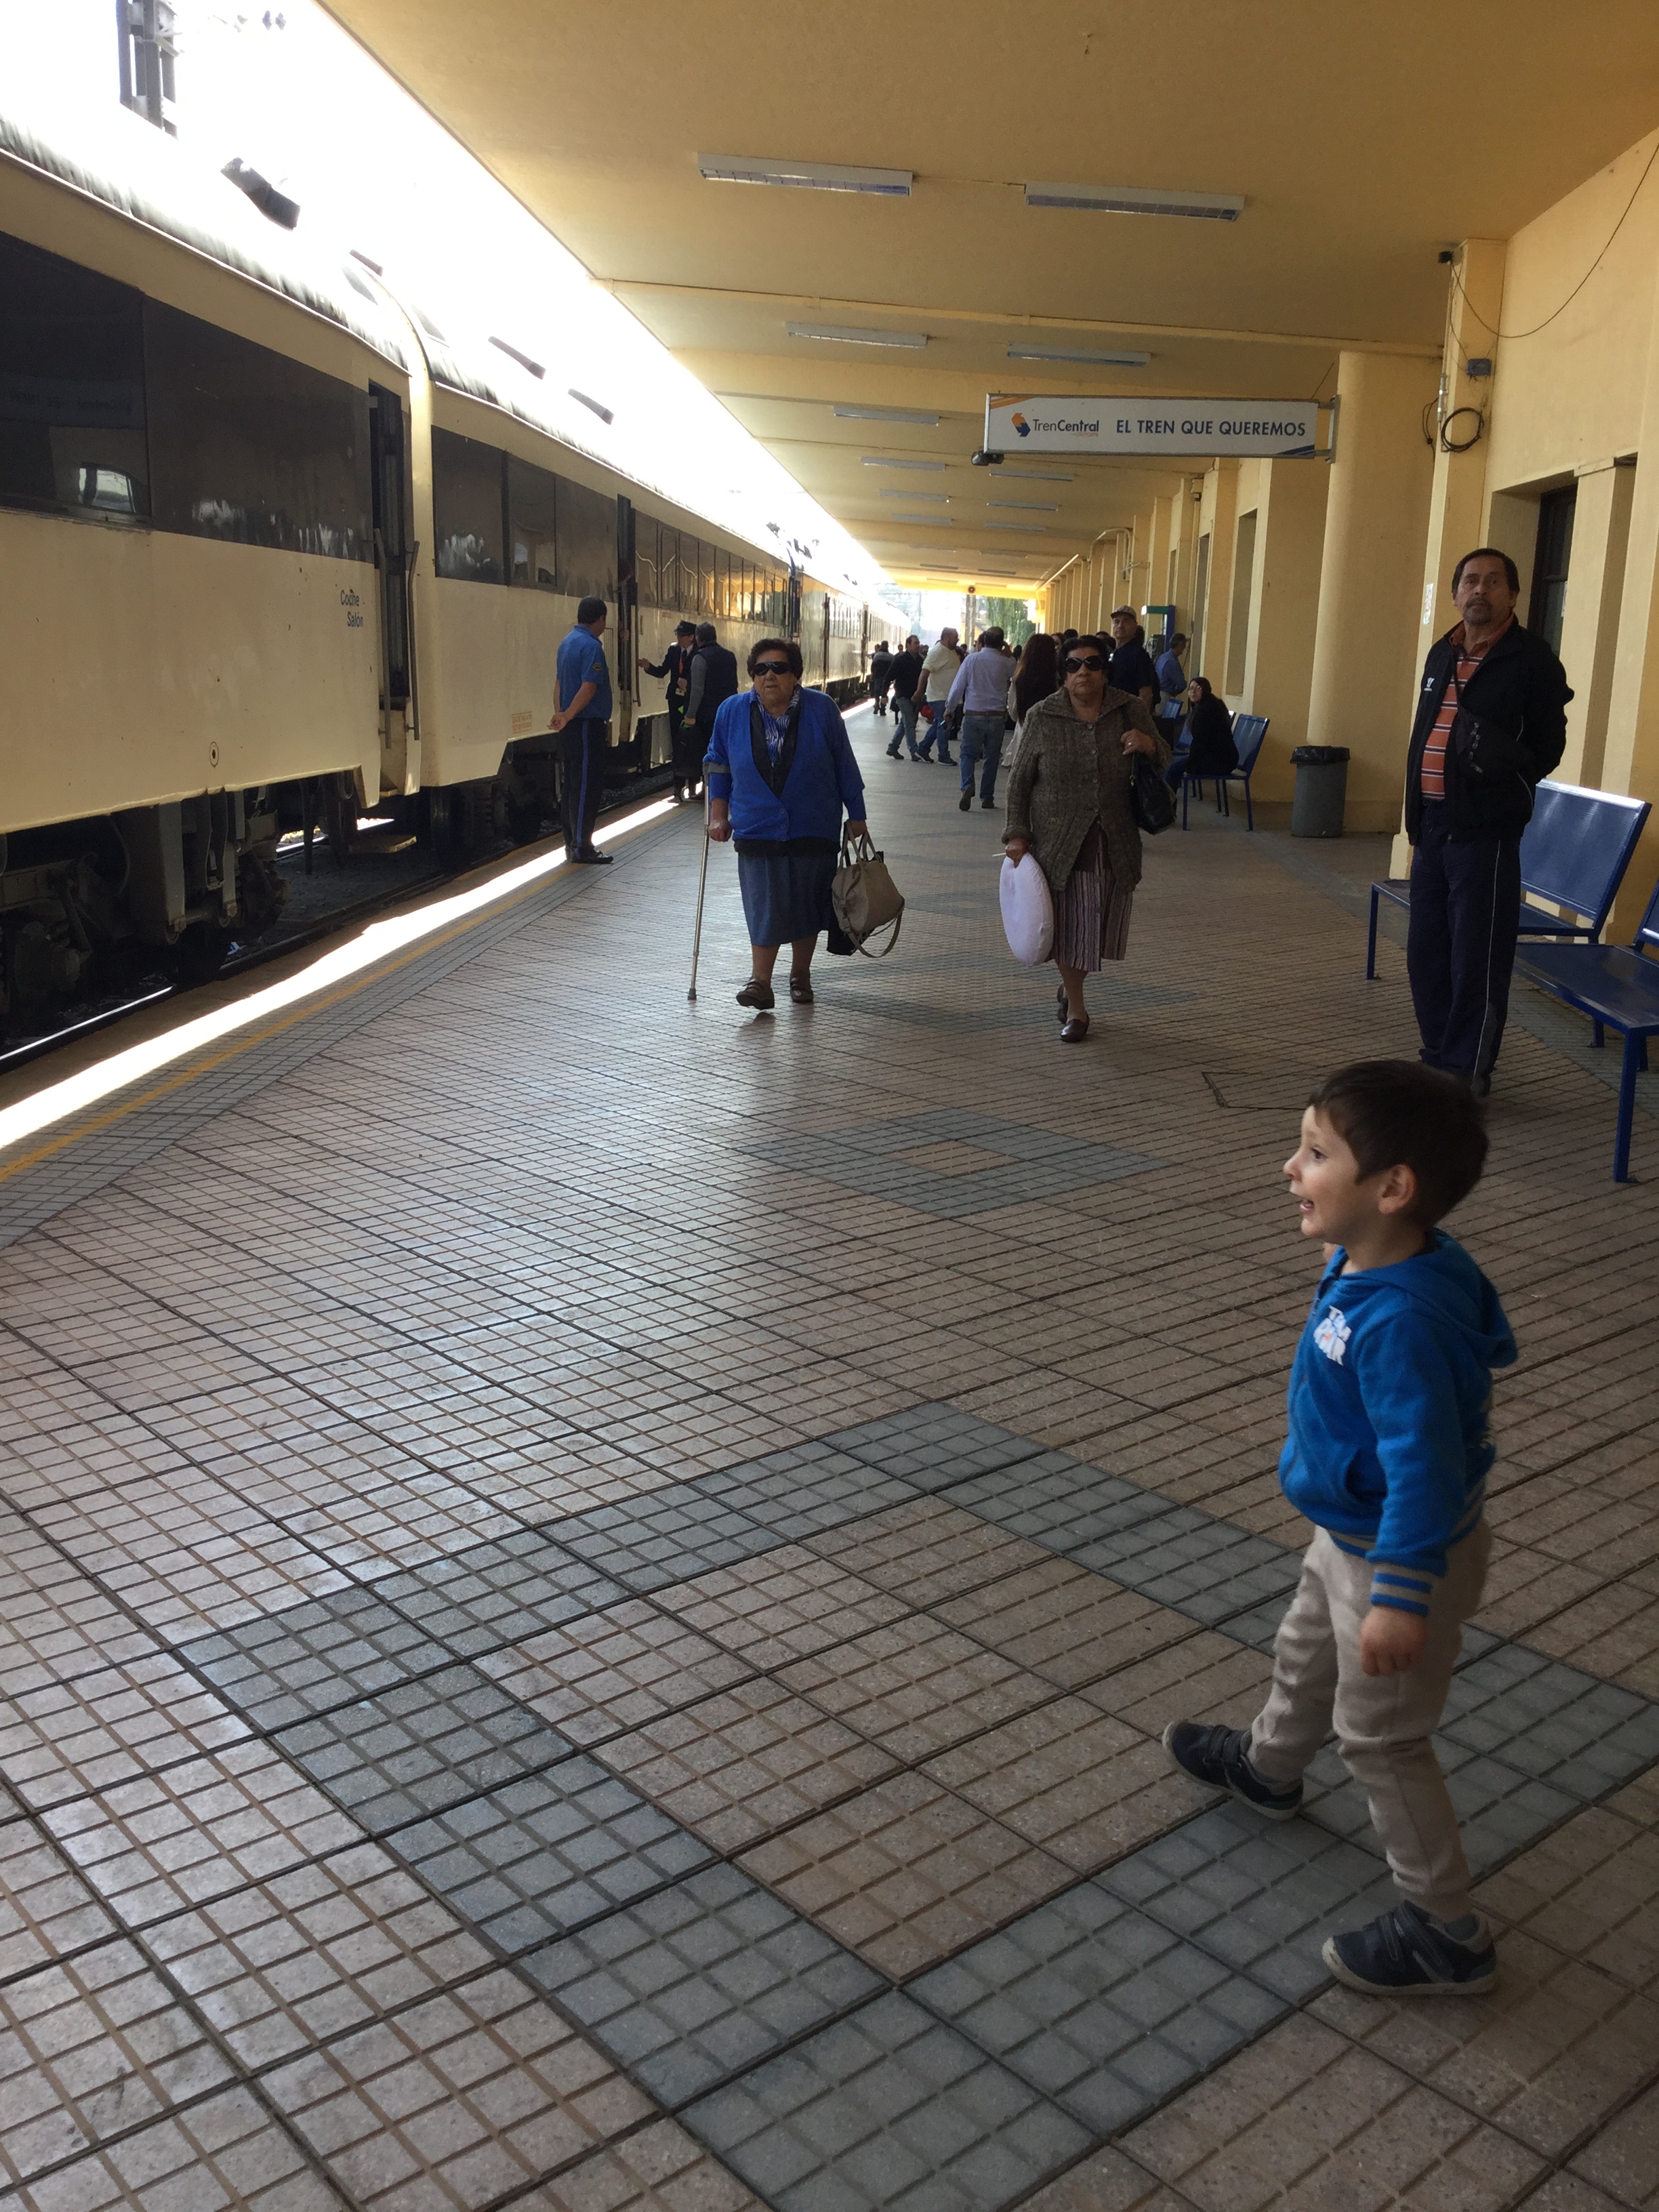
855,848
899,923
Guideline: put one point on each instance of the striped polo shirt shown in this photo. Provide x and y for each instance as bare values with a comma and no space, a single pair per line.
1431,776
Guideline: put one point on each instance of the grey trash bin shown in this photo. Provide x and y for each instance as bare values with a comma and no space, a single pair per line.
1321,789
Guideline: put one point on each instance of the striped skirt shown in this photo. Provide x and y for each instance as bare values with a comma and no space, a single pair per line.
1091,914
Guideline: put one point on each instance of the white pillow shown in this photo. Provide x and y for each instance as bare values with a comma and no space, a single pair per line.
1028,911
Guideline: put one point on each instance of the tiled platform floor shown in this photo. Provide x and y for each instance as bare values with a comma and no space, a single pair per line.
591,1585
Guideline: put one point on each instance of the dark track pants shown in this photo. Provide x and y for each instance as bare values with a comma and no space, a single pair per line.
584,761
1460,945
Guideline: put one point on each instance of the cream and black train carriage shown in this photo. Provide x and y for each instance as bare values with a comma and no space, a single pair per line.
264,528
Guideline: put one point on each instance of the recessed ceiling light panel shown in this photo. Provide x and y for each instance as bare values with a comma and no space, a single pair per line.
1026,506
1136,199
892,491
881,461
852,334
1076,353
807,176
938,521
848,413
1035,476
1014,526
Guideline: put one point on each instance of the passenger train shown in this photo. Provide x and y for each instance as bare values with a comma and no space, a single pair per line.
265,534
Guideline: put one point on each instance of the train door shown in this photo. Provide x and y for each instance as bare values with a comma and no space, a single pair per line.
394,559
794,600
825,678
627,598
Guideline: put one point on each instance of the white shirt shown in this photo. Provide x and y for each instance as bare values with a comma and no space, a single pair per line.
940,670
981,684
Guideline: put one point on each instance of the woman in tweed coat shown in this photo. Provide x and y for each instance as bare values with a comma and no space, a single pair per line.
1068,802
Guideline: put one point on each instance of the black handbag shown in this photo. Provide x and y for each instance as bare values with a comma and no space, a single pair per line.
1151,799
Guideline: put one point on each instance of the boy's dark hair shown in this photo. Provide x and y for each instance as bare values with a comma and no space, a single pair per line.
1397,1113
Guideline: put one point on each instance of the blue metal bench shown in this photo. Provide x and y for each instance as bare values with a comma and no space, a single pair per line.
1249,732
1574,851
1618,987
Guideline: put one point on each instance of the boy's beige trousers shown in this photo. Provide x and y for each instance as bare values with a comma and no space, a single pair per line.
1382,1721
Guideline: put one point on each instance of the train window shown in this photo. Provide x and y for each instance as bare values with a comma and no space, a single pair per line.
587,543
648,557
72,387
725,603
467,501
248,445
533,517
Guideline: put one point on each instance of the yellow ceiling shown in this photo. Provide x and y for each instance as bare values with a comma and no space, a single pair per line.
1362,139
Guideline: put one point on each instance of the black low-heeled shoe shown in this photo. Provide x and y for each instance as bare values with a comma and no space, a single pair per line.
756,994
800,991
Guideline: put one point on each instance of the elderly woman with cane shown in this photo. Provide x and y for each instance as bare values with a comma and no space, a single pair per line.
778,772
1069,803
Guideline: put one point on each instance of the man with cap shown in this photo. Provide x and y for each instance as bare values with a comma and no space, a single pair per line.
675,670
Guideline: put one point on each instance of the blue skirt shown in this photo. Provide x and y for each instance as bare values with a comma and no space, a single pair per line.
785,894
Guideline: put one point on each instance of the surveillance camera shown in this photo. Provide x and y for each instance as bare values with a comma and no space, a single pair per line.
984,461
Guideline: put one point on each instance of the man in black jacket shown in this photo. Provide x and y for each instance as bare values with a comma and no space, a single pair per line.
675,670
713,680
1491,721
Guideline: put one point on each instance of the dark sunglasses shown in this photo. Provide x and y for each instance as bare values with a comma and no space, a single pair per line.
774,668
1075,661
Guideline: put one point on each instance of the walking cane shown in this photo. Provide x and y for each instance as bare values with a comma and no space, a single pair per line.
702,881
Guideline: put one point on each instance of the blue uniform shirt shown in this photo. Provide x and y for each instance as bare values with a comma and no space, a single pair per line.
581,660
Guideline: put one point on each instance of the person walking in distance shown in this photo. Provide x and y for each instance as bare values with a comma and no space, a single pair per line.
1170,668
1131,669
581,717
675,670
1491,721
939,673
981,690
713,680
906,679
881,674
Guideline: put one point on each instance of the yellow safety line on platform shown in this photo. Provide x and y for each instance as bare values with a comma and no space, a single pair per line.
350,966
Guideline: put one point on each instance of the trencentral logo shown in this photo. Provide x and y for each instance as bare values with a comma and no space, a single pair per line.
1021,424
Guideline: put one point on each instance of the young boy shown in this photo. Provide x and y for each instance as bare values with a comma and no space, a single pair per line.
1386,1455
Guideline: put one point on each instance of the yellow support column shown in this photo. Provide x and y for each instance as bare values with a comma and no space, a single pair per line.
1289,542
1630,762
1589,620
1364,657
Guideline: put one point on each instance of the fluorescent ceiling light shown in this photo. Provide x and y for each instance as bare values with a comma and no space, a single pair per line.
605,413
1014,526
1035,476
850,413
810,176
880,461
1072,353
938,521
1028,506
851,334
536,368
1136,199
892,491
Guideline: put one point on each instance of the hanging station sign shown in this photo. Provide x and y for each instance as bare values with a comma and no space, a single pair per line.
1282,429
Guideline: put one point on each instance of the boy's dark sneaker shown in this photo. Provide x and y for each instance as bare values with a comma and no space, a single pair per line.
1406,1954
1221,1757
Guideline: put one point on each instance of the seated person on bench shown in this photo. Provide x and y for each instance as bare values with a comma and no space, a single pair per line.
1206,745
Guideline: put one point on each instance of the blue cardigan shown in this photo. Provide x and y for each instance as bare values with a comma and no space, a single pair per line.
824,777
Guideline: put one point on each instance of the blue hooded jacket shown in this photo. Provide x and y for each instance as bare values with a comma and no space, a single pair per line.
1390,1394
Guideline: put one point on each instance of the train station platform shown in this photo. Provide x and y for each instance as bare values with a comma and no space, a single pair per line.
590,1584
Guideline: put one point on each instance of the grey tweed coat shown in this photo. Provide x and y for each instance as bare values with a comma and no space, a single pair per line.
1070,774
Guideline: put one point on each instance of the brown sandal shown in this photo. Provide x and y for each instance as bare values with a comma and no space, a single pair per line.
756,994
800,991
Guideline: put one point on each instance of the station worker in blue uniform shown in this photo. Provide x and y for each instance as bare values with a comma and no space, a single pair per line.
779,773
581,719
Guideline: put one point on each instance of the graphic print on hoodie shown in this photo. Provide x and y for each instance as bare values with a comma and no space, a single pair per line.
1390,1396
